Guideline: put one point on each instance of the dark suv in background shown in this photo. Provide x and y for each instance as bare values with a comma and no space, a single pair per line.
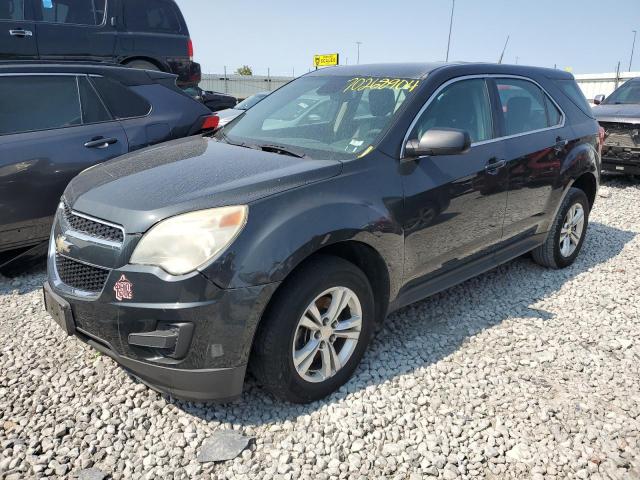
148,34
57,120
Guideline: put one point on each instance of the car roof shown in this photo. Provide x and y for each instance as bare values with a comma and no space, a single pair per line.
422,70
126,75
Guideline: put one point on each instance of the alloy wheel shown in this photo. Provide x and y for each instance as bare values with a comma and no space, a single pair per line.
572,229
327,334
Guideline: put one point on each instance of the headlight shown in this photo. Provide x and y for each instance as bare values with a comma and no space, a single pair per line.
181,244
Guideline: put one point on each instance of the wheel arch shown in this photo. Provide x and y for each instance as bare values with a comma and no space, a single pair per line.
589,185
154,61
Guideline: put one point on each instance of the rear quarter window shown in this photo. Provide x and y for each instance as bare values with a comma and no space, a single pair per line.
121,101
160,16
571,89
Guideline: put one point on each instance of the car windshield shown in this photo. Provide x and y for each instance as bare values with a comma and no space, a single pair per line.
250,102
627,93
330,117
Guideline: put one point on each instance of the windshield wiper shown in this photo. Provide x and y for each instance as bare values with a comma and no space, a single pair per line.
281,150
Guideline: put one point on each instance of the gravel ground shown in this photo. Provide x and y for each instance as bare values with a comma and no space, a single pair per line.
520,373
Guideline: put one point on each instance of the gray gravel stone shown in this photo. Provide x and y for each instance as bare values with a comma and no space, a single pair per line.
225,445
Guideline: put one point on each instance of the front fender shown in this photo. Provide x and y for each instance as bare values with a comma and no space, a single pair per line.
285,229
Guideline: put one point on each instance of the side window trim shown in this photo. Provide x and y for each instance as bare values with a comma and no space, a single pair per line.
486,77
99,97
33,3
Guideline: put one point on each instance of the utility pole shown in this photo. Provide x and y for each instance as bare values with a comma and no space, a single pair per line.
633,47
453,6
517,58
358,44
504,49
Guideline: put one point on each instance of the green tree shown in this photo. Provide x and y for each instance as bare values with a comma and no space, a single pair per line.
244,70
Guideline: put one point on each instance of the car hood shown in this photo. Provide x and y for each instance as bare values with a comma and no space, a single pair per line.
139,189
617,113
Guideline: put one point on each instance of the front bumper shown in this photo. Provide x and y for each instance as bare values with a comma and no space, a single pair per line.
180,334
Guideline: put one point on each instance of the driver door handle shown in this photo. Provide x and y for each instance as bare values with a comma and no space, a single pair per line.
101,142
19,32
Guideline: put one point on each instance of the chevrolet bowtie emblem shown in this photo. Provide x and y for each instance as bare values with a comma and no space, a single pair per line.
62,245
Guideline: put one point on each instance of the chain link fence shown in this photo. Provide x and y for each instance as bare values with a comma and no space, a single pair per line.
242,86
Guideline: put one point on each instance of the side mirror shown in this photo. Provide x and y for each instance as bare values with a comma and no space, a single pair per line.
598,99
438,141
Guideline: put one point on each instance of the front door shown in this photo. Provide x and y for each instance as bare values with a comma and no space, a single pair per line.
74,30
454,204
43,146
17,34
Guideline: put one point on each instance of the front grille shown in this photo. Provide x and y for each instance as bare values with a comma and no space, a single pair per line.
81,276
91,227
624,135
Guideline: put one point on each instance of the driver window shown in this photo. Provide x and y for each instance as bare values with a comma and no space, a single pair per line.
463,105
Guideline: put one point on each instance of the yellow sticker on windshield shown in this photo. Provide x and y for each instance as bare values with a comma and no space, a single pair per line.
360,84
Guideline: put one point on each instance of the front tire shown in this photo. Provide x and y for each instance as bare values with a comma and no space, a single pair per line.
315,331
567,234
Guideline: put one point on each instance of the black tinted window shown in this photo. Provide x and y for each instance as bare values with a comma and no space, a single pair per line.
152,16
23,109
523,106
464,105
93,111
11,9
121,101
77,12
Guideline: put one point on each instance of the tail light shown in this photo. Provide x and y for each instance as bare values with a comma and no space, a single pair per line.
210,123
602,135
190,49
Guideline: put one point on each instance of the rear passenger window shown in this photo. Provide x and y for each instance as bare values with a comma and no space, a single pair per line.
11,9
93,110
76,12
152,16
524,106
121,101
463,105
24,111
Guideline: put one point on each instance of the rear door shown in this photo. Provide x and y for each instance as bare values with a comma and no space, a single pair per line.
44,144
536,142
17,34
74,30
454,204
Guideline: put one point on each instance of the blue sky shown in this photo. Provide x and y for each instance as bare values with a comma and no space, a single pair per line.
590,36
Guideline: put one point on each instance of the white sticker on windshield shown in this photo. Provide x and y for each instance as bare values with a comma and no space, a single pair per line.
47,3
356,143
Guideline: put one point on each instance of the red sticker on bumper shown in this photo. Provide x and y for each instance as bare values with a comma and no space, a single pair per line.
123,289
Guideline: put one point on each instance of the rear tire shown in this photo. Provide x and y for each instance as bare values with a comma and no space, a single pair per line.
304,349
567,234
143,65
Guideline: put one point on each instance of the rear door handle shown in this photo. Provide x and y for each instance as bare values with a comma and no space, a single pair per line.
561,143
101,142
494,165
19,32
